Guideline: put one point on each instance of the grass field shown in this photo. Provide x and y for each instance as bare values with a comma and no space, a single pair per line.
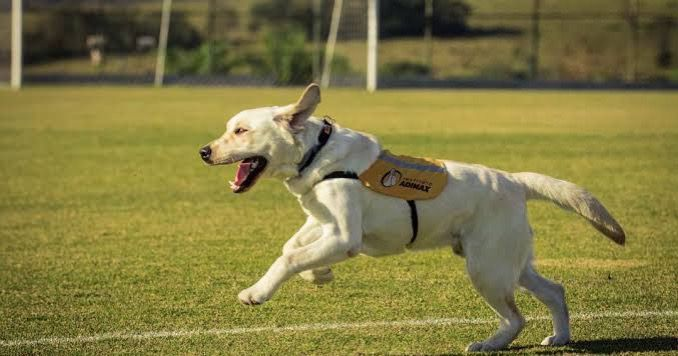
110,223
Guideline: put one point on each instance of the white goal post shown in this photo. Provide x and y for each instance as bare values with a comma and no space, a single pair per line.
16,46
16,50
162,43
331,42
372,43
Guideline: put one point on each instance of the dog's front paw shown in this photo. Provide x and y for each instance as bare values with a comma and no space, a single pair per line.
253,296
318,276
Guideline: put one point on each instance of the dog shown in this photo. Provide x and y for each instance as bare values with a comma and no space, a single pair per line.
481,213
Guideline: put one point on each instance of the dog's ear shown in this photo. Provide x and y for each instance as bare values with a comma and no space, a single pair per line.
296,114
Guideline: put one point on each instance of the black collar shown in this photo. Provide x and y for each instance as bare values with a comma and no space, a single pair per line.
323,137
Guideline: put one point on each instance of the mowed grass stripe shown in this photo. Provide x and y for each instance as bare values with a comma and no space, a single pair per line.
319,327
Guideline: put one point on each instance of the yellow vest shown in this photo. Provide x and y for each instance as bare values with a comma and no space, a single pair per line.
405,177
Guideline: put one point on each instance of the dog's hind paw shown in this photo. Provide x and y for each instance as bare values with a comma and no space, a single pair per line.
318,276
555,340
481,346
475,347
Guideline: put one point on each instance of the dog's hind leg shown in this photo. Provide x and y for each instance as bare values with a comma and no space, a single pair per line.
496,252
500,296
553,296
308,233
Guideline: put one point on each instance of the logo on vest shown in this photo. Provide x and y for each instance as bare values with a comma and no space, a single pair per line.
418,185
391,178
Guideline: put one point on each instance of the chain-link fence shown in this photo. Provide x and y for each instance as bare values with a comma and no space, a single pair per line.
281,42
538,40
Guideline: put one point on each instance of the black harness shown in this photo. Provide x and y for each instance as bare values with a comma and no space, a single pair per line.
323,137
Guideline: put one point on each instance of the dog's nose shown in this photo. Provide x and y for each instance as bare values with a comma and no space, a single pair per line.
205,153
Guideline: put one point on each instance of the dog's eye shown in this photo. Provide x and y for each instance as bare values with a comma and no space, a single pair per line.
239,131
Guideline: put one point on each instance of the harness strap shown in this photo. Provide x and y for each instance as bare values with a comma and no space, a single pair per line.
341,174
414,217
323,137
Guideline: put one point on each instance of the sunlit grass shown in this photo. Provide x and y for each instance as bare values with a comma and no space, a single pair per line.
110,222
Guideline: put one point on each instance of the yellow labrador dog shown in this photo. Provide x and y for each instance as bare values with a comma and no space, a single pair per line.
481,212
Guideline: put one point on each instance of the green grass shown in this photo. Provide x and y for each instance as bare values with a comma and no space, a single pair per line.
109,222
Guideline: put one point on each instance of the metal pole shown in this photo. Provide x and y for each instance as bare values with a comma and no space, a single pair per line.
162,43
534,57
317,18
211,7
428,33
632,55
331,42
17,29
372,43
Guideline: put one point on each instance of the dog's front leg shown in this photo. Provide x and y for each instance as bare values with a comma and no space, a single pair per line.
309,232
341,233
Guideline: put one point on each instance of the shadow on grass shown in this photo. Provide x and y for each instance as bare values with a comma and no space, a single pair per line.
603,346
608,346
658,343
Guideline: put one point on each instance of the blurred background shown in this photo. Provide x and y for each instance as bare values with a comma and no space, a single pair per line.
427,43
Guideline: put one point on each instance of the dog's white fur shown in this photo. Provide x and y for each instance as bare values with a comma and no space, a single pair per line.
481,214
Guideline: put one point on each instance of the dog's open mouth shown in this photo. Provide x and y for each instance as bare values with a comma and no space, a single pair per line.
247,173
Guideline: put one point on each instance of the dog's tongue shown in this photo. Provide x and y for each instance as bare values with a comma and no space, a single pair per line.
243,171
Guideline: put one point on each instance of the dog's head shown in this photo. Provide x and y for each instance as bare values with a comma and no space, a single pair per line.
263,141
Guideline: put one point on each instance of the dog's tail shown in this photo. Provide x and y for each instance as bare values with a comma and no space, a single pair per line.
574,198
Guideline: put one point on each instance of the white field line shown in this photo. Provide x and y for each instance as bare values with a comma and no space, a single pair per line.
314,327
